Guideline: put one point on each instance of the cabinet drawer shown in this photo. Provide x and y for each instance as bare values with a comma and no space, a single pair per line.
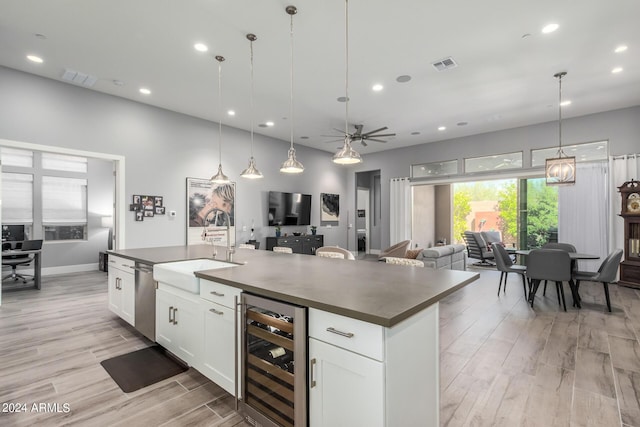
351,334
123,264
218,293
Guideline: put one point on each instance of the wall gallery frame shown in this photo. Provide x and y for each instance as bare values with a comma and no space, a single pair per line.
146,206
210,210
329,209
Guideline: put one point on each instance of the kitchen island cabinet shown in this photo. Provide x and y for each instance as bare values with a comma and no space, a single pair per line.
384,369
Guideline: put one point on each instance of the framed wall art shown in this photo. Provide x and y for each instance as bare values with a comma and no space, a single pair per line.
210,209
329,209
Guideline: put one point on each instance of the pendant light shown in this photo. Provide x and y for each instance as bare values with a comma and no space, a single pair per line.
346,155
291,165
252,171
560,170
220,177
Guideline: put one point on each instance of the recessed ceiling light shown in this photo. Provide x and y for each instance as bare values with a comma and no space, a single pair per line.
145,91
377,87
201,47
231,113
403,79
269,124
549,28
35,59
565,103
617,70
441,128
620,48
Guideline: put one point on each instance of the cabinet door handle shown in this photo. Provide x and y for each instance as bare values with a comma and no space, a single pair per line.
312,373
218,294
170,311
337,332
175,321
214,311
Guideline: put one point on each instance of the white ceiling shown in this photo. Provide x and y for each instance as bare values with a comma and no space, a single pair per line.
504,79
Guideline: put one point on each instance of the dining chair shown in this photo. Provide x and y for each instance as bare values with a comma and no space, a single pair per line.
282,250
505,265
605,274
553,265
335,252
568,247
20,259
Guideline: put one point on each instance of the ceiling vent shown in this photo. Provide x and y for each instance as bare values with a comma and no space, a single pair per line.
445,64
78,78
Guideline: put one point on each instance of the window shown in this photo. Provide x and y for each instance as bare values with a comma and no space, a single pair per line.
64,208
583,153
16,157
434,169
17,198
493,163
62,162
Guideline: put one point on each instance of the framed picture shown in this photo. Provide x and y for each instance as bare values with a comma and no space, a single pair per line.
134,207
148,203
139,215
137,199
211,209
329,209
157,201
159,210
148,212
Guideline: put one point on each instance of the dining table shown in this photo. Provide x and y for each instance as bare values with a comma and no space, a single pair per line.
574,256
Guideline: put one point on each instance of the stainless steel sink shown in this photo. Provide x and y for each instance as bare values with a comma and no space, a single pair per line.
180,275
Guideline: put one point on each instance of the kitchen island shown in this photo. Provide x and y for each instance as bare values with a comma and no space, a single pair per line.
384,369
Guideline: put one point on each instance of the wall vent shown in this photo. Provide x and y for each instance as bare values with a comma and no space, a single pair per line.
78,78
445,64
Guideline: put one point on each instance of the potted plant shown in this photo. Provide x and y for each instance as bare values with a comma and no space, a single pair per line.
313,230
278,230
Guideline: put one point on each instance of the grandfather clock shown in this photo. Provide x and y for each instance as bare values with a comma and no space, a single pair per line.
630,212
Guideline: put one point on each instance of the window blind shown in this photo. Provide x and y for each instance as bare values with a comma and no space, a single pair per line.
64,200
17,198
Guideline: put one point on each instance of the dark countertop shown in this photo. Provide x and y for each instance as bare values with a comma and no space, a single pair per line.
374,292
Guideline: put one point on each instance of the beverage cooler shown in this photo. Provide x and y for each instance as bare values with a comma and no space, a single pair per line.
274,363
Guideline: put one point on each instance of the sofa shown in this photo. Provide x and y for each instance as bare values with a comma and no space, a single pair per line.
450,257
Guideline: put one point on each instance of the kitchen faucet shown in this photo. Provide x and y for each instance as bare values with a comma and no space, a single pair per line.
230,249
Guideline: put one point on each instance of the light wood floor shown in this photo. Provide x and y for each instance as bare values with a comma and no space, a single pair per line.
502,363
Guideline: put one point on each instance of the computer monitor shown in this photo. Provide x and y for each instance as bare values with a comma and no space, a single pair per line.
12,232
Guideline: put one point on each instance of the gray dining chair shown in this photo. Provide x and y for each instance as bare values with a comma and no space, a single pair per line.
505,265
568,247
553,265
605,274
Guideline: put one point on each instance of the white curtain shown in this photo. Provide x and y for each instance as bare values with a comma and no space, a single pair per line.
400,211
623,169
583,213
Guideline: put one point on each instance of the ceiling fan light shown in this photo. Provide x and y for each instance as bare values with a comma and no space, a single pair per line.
347,155
252,171
220,177
292,165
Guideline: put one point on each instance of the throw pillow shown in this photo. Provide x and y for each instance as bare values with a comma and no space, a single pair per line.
412,253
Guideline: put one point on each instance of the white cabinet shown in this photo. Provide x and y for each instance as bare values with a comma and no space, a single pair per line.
362,374
122,286
220,318
179,323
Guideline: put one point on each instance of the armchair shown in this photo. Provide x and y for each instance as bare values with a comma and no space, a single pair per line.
397,251
477,248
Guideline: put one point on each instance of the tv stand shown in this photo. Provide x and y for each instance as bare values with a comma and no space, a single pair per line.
298,244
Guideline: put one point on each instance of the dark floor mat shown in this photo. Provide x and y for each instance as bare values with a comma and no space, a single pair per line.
141,368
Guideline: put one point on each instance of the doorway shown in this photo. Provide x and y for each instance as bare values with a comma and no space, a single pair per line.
368,216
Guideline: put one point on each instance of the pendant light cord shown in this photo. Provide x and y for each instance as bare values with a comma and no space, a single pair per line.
560,76
291,83
346,61
251,106
220,59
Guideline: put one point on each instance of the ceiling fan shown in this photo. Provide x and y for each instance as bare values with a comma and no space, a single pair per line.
359,136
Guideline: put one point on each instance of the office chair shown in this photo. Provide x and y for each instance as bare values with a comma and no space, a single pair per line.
23,259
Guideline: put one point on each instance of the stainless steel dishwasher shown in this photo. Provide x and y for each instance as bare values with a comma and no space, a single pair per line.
145,300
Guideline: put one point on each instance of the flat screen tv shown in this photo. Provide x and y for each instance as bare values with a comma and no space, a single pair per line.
289,208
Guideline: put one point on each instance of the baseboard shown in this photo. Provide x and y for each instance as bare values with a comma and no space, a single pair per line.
374,251
65,269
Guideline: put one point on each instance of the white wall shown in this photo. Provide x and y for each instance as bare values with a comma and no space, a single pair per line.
162,149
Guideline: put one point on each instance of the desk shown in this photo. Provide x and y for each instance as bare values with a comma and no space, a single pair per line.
36,263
